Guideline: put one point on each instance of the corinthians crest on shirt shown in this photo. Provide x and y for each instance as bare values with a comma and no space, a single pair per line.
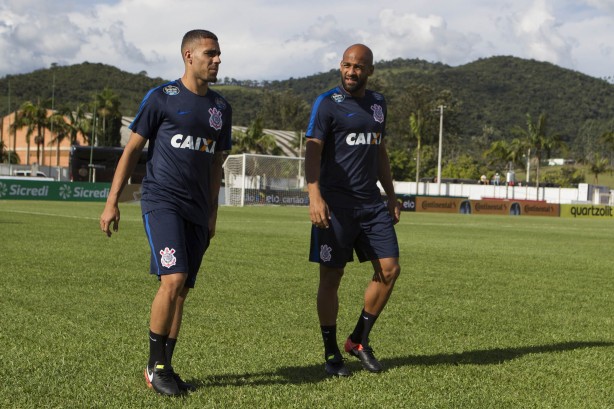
378,113
215,119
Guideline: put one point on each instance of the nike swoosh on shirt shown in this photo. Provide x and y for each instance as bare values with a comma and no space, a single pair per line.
183,112
350,114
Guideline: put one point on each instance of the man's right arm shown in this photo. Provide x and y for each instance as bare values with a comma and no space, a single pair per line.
318,209
125,167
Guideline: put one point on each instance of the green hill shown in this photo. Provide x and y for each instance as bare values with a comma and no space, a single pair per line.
484,99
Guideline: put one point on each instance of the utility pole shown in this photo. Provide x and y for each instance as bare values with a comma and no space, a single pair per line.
9,128
528,166
441,108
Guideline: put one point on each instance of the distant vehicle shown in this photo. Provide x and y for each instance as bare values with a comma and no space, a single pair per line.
28,173
103,160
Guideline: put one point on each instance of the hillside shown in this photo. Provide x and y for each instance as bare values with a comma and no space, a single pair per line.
76,84
496,92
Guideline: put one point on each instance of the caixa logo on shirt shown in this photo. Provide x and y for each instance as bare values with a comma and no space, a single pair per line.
193,143
364,138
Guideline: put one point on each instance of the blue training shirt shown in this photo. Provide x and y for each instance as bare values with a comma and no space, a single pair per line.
351,130
184,131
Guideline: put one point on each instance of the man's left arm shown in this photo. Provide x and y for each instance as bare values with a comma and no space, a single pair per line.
385,178
215,183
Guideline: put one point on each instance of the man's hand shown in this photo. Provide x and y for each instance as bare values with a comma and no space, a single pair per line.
394,208
110,215
318,212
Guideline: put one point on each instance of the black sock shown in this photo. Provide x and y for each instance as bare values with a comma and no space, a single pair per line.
363,328
329,335
170,348
157,349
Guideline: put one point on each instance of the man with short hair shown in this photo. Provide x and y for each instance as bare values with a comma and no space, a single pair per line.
188,127
345,158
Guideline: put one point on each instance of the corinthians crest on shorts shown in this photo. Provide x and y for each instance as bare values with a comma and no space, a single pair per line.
325,251
168,258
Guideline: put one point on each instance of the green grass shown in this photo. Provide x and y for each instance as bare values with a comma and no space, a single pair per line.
489,312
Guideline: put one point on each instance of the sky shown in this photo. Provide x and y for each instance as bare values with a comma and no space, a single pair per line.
282,39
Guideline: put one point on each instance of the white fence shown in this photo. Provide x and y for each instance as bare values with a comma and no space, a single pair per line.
584,193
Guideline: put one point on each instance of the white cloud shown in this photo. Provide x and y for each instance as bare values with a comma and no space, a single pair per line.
274,39
539,33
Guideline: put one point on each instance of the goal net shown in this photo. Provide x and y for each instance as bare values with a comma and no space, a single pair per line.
252,179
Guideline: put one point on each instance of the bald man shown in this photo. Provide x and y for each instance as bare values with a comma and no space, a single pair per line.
345,158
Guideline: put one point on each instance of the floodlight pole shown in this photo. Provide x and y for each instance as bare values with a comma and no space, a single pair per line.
441,107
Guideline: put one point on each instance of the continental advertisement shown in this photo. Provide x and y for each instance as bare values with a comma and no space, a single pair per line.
586,211
463,205
15,189
514,208
440,204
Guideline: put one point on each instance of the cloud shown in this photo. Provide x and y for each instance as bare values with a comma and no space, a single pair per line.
539,33
274,39
425,37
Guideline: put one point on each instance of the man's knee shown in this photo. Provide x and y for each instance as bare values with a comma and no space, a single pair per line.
174,284
330,277
388,274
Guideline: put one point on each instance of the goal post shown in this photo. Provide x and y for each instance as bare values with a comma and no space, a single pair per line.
252,179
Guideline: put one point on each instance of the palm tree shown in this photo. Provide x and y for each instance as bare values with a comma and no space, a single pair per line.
538,141
78,123
254,140
598,165
7,156
416,124
107,108
506,153
59,126
41,123
25,118
499,153
608,139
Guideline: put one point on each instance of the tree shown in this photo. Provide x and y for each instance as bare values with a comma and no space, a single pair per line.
464,167
503,154
25,117
106,107
421,101
7,156
78,123
41,123
61,129
254,140
607,138
538,141
284,110
598,165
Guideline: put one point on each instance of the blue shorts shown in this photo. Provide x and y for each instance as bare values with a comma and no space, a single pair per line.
369,232
177,245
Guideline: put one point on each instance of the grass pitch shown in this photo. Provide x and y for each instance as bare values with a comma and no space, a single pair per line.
489,312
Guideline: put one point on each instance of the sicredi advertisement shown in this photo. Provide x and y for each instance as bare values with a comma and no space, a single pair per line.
14,189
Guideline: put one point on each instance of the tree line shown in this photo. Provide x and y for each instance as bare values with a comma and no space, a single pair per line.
500,113
98,121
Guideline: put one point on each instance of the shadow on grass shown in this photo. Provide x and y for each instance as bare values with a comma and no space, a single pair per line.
315,373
